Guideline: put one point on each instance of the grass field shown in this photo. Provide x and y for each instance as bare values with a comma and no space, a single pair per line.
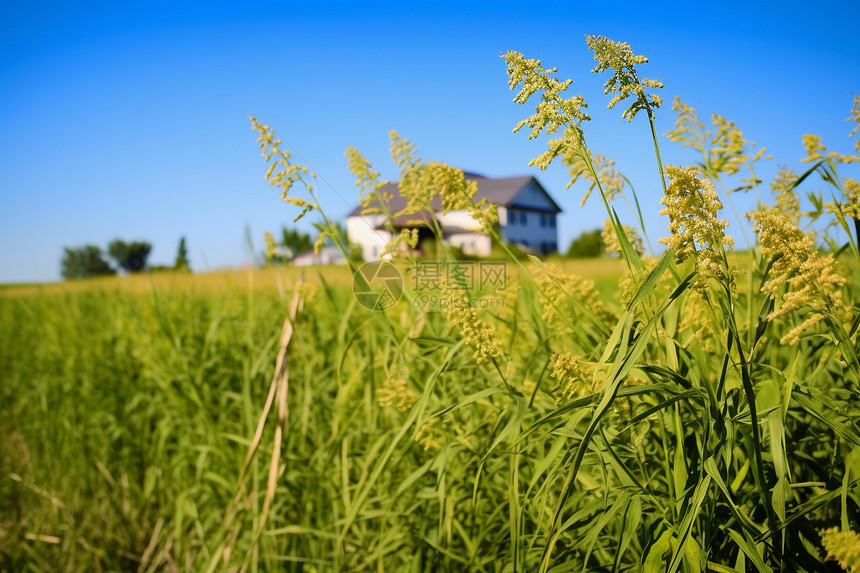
695,411
605,271
130,405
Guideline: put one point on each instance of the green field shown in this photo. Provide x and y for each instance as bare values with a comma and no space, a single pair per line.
695,411
131,404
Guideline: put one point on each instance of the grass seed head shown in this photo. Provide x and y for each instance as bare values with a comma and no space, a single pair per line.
855,117
697,232
619,57
783,191
842,547
574,375
852,195
477,333
558,289
396,392
808,278
610,239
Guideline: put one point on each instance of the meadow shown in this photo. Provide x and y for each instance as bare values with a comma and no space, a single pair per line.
692,411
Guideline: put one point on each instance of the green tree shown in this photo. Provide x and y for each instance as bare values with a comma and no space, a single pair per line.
84,262
587,245
130,257
296,241
293,242
182,263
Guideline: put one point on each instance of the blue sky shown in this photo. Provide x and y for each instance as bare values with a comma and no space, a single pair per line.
130,120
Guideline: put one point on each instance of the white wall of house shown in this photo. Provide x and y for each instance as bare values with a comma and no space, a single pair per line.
326,256
472,243
459,218
503,217
362,231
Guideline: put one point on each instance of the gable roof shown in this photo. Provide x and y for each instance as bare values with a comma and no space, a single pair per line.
501,191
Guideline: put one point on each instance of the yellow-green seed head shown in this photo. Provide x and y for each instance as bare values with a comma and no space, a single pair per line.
619,57
842,547
692,205
808,279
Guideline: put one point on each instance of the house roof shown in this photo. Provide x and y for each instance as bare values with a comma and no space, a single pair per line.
421,219
502,191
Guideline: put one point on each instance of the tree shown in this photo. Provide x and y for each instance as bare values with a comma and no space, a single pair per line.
293,242
130,257
587,245
181,263
84,262
296,241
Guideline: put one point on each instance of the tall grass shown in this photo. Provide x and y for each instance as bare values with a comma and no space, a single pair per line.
675,425
127,419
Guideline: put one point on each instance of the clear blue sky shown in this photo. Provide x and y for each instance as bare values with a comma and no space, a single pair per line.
130,120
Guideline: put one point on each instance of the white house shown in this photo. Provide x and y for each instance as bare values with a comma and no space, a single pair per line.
527,217
326,256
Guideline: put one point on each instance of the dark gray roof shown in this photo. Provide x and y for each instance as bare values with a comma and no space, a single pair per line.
423,219
501,191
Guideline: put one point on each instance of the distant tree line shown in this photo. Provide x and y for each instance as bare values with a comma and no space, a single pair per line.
587,245
597,243
91,261
132,257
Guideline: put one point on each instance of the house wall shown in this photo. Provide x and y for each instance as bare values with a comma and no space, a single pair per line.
362,231
503,218
540,237
305,261
327,256
472,243
459,218
539,231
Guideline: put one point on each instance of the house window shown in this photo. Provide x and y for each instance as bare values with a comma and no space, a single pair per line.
513,217
523,220
542,220
552,221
